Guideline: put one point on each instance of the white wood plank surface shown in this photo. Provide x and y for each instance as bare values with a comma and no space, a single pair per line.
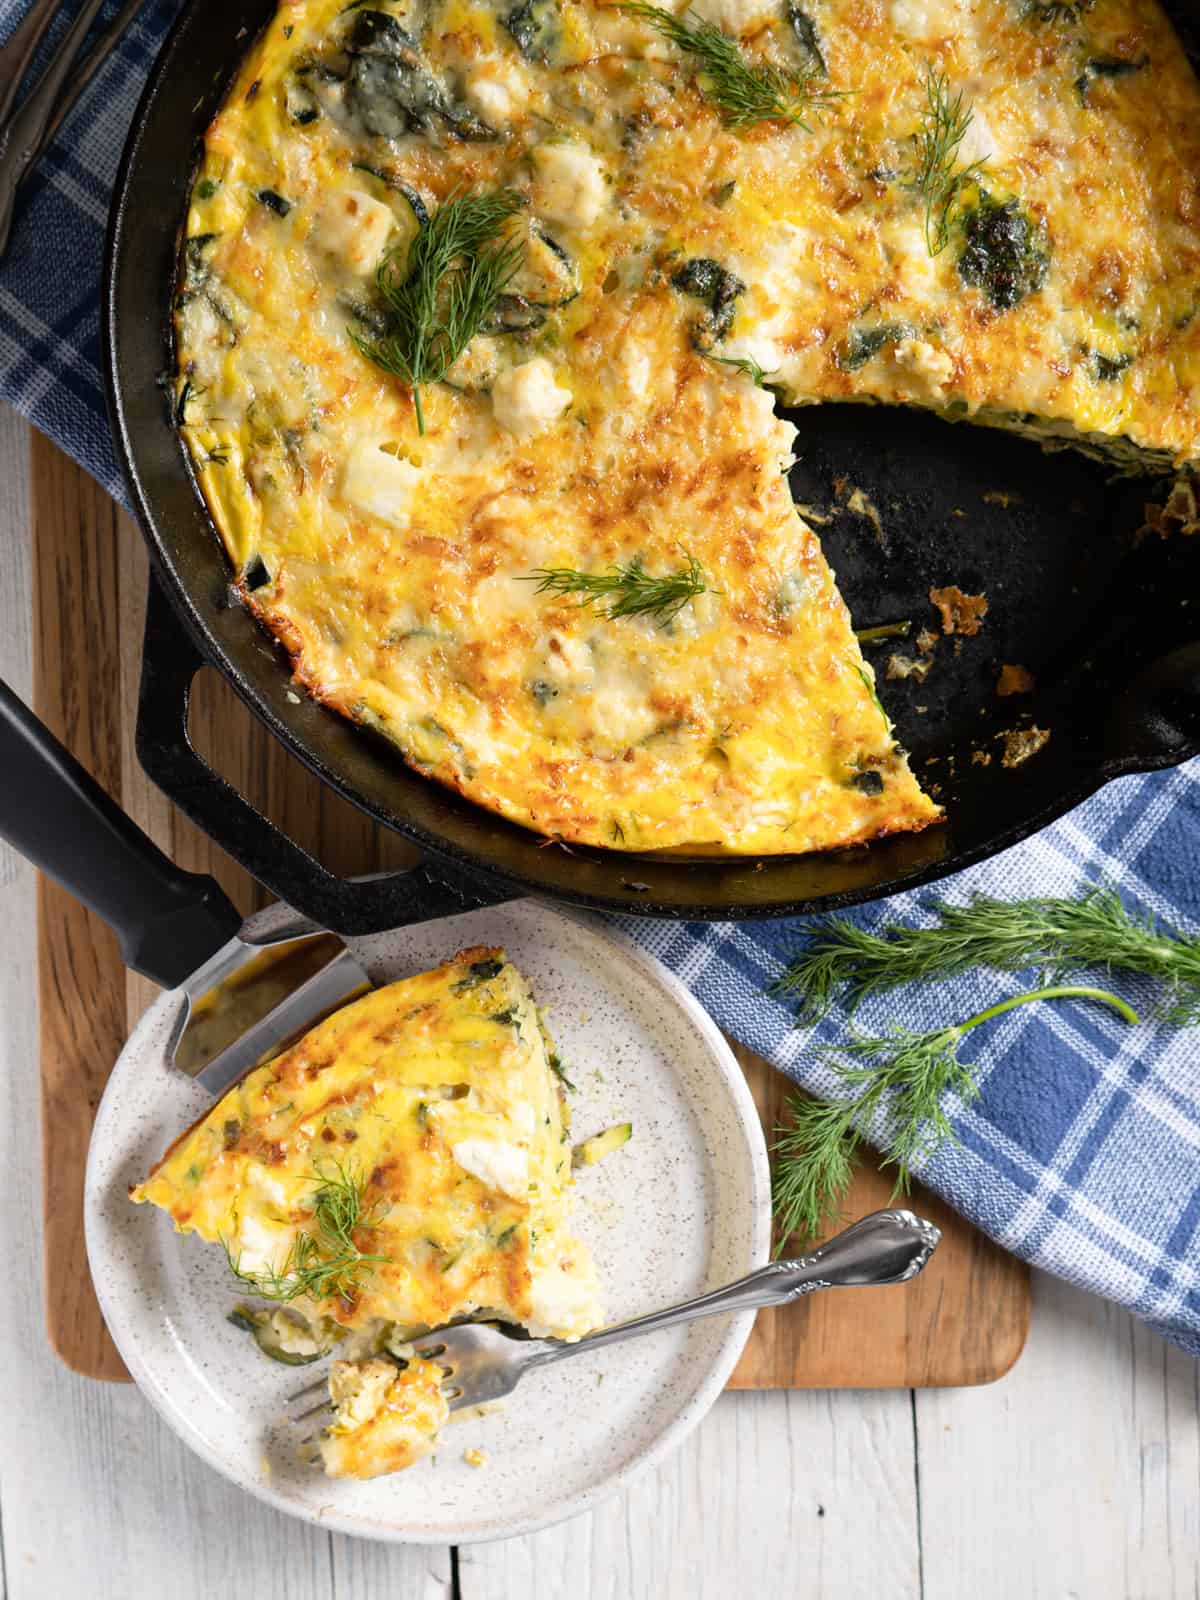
1078,1475
817,1489
1090,1458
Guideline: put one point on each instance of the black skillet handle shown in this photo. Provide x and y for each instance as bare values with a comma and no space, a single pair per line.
370,904
54,812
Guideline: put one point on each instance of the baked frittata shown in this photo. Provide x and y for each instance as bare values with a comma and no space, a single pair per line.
406,1163
485,307
386,1416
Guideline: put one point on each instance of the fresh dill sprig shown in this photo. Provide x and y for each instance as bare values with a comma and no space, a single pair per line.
743,92
1093,930
904,1073
326,1263
630,590
743,364
441,289
944,124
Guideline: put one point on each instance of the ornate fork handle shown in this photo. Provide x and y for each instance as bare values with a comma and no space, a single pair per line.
886,1247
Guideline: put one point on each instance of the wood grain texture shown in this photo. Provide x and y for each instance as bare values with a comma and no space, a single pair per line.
81,978
1091,1452
963,1322
811,1495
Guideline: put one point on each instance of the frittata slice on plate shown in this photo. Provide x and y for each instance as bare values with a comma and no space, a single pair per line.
407,1162
986,207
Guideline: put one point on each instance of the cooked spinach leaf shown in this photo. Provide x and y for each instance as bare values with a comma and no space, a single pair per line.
807,37
273,202
559,1071
719,289
478,972
862,344
868,782
195,265
390,91
1106,369
514,314
1107,67
535,28
1003,251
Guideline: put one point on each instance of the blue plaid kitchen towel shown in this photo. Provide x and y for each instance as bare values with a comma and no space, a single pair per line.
1082,1151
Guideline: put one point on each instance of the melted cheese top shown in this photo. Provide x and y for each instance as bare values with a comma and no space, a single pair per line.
611,416
386,1417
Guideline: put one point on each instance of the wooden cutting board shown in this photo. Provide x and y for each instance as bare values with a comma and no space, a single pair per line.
963,1321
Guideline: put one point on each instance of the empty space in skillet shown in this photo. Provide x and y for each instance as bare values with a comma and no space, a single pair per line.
1074,595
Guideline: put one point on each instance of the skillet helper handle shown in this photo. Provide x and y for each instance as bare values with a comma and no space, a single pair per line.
54,812
361,905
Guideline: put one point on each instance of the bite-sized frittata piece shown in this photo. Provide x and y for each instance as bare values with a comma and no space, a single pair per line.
386,1416
407,1162
521,505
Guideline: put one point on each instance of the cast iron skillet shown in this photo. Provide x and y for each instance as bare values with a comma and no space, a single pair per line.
1104,624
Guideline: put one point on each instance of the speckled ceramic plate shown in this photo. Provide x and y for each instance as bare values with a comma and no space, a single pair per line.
684,1207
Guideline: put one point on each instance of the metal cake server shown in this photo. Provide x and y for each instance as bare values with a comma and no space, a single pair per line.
250,988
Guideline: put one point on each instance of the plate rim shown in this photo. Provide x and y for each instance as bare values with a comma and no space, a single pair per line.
689,1416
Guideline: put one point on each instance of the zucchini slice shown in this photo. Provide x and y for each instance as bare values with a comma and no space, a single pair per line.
284,1335
601,1144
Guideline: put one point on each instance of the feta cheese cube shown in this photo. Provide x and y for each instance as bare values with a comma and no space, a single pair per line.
379,483
497,91
734,16
354,227
261,1247
528,398
496,1163
568,184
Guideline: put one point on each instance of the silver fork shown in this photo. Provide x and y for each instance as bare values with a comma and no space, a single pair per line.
481,1362
27,133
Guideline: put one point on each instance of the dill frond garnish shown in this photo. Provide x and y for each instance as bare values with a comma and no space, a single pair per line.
744,364
743,92
944,124
1094,930
441,289
630,590
906,1075
324,1263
